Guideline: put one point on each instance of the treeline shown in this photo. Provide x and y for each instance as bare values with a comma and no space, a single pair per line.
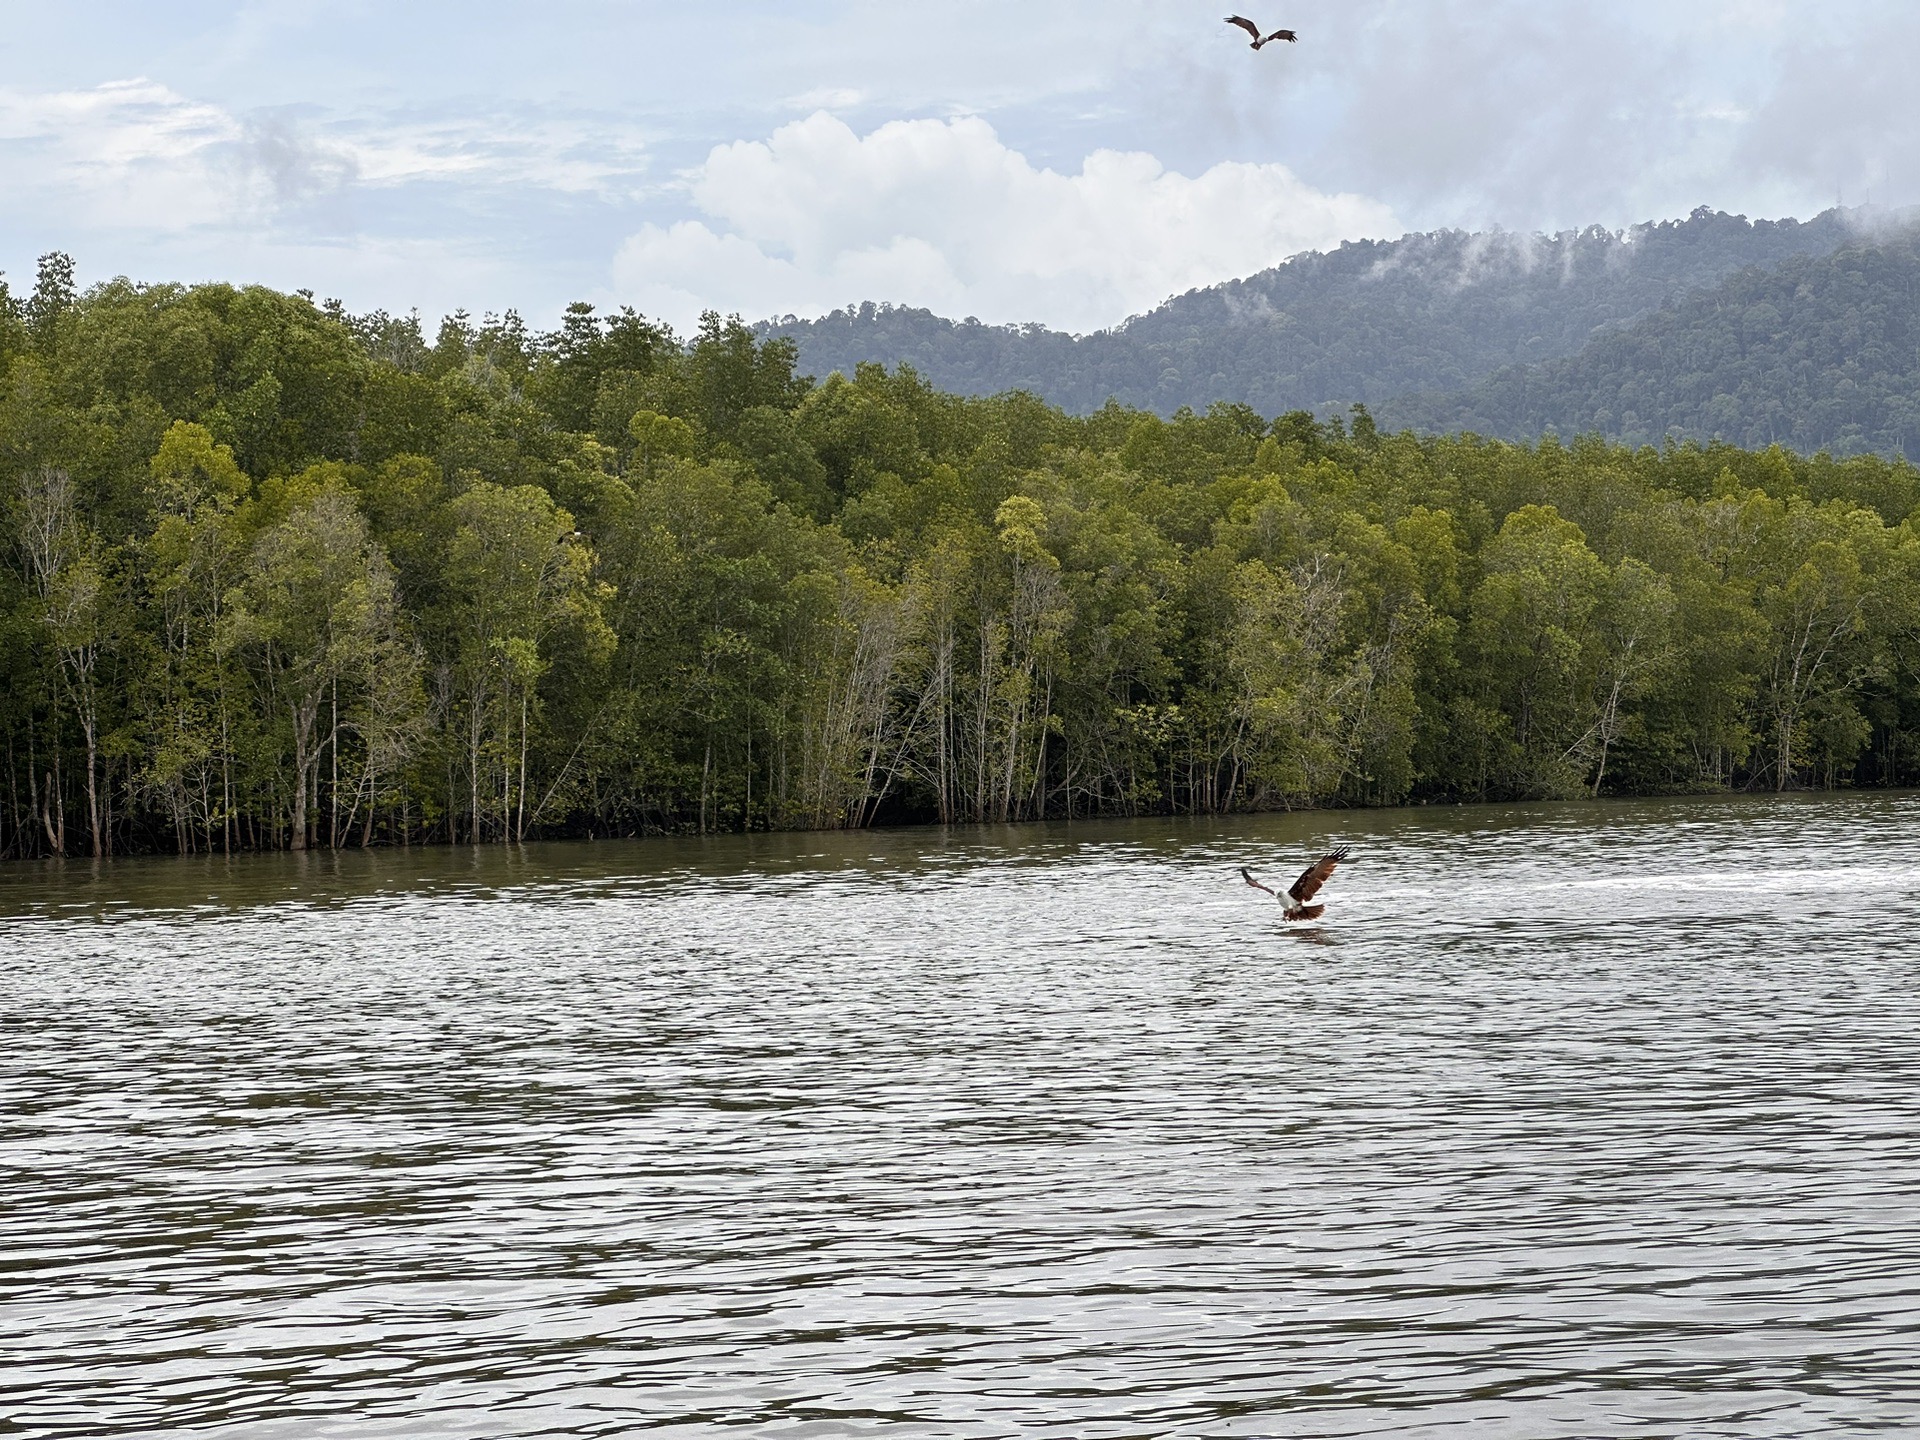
281,576
1374,321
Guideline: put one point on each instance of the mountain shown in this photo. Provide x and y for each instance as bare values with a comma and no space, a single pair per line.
1373,321
1818,353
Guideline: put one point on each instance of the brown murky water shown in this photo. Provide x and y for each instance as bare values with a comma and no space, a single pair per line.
1567,1121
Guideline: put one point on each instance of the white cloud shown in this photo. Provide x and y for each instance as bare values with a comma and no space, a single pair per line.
941,213
130,152
827,98
138,154
284,137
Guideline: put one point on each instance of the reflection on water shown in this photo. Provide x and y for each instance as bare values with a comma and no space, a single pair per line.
1566,1121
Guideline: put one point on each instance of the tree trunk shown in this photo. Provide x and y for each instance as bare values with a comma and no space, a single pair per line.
947,767
89,726
706,773
333,782
520,819
1609,720
981,706
302,775
226,777
297,840
473,760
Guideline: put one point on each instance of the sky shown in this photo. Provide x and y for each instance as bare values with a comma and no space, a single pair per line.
1071,162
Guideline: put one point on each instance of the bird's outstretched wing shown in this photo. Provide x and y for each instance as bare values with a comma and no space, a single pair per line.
1247,875
1286,35
1315,875
1245,24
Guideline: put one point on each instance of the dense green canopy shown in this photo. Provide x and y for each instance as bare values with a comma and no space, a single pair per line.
1821,353
279,575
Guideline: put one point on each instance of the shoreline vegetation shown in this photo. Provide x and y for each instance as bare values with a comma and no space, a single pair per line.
282,577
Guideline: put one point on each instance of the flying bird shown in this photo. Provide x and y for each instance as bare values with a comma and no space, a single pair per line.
1254,30
1305,888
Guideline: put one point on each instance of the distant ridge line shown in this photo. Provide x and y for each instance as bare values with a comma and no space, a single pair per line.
1413,327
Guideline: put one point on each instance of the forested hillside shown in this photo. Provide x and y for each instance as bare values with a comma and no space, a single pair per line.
1822,353
278,576
1370,322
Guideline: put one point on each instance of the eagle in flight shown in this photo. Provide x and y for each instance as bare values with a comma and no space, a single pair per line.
1305,888
1259,39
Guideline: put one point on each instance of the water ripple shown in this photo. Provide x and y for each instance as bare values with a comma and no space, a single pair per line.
1567,1121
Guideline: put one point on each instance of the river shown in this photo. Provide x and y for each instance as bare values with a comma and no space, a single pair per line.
1567,1120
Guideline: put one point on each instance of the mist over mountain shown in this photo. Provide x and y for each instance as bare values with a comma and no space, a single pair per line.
1820,353
1503,333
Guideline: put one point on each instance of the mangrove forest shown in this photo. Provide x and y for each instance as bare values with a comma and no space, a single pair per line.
278,575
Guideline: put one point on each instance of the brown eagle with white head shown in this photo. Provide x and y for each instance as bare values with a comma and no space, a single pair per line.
1259,39
1297,899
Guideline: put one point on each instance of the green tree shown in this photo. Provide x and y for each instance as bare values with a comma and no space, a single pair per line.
317,611
1824,576
69,572
517,574
191,557
1531,624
